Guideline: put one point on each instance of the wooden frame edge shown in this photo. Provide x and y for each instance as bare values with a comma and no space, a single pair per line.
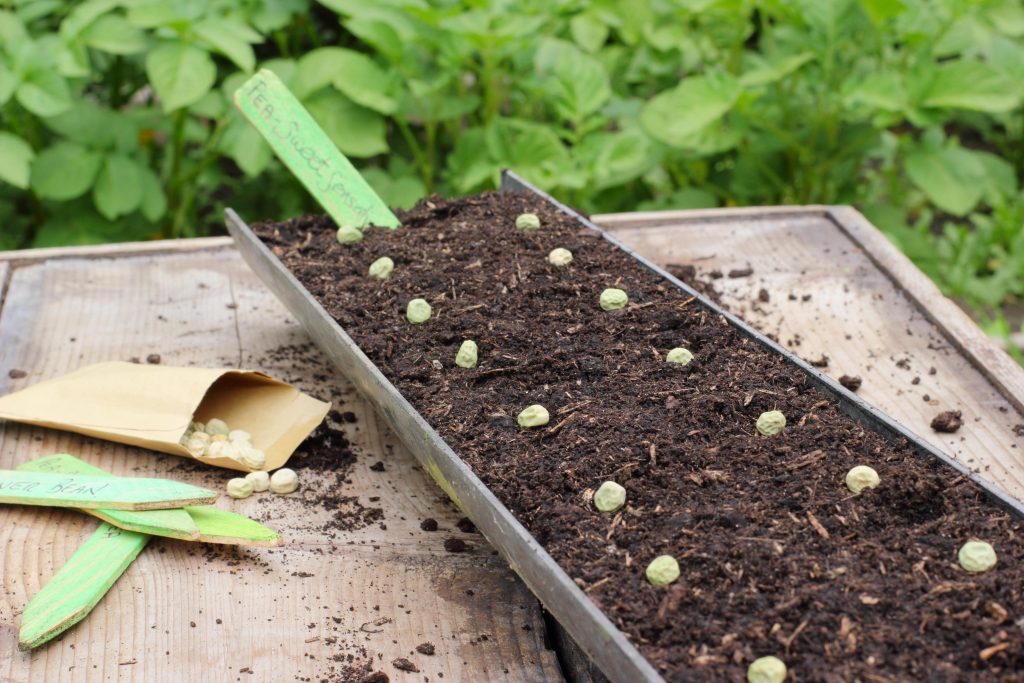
116,249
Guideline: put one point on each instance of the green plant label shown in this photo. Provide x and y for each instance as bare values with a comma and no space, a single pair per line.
90,492
174,523
79,585
307,151
204,523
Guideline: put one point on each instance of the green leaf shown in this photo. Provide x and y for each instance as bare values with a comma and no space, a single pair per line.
577,82
589,32
8,84
154,203
619,157
82,15
953,178
968,84
94,126
112,33
243,143
882,10
531,149
44,92
118,189
469,166
694,104
883,90
771,71
230,37
64,171
180,74
15,160
400,192
357,131
354,74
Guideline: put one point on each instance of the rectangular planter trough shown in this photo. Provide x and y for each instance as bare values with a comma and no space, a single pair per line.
591,630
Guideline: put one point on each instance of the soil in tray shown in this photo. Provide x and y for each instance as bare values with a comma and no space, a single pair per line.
777,556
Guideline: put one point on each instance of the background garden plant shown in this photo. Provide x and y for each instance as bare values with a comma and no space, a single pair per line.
116,122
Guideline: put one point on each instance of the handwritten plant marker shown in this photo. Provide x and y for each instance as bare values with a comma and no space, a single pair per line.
92,492
173,523
79,585
308,152
207,523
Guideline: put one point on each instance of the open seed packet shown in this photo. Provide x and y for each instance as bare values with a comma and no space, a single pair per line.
155,406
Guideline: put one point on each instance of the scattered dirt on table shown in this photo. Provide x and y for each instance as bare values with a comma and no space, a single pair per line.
821,362
850,382
153,359
948,421
429,524
376,677
763,296
688,274
425,648
456,545
15,373
403,664
776,556
466,525
741,272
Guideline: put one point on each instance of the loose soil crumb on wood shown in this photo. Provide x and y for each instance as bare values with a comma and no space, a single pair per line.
948,421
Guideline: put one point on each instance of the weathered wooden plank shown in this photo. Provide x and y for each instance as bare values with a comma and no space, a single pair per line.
848,294
116,250
205,308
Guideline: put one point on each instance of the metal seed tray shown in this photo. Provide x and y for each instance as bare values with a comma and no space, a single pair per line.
591,630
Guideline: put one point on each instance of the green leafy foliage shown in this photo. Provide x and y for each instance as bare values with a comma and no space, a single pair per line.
116,119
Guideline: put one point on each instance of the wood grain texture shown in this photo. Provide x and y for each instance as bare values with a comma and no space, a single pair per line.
185,611
847,294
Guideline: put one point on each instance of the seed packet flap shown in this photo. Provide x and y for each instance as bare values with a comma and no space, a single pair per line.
152,405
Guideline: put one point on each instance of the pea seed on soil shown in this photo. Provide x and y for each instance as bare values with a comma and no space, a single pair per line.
775,554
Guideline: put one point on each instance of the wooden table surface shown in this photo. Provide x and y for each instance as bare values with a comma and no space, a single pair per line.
293,613
180,613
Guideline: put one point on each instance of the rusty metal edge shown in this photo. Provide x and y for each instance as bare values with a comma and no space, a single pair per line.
617,658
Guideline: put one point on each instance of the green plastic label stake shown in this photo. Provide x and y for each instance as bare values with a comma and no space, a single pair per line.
307,151
204,523
174,523
79,585
90,492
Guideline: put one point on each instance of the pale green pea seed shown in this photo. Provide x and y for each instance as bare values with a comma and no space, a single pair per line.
349,234
533,416
560,257
662,570
679,355
418,311
467,355
527,221
771,422
977,556
609,497
766,670
381,268
862,477
613,299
